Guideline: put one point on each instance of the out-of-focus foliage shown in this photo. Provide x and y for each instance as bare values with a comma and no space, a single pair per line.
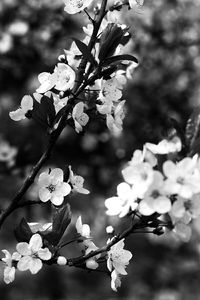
166,36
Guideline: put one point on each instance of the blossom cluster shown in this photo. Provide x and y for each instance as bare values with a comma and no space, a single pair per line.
172,188
117,257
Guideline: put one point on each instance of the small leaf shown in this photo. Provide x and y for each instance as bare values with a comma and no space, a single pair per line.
23,232
61,220
110,38
192,131
85,51
117,58
44,112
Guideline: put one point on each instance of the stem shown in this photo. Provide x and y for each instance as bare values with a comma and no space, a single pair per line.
96,24
142,223
67,243
89,17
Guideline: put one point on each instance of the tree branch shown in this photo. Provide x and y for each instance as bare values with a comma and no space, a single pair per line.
142,223
79,88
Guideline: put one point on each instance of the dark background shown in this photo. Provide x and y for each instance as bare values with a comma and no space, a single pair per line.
166,38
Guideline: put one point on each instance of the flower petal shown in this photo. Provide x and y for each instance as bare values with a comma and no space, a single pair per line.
17,115
35,242
44,179
27,103
35,265
44,254
56,176
24,263
57,199
23,248
64,188
44,194
9,274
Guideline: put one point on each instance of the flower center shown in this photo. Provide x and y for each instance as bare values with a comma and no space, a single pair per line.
80,4
188,205
155,194
51,188
180,180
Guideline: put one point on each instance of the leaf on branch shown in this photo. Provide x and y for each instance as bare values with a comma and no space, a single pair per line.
23,232
61,220
192,132
117,58
110,38
85,51
44,112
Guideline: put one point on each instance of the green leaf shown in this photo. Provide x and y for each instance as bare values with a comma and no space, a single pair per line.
192,131
85,51
117,58
23,232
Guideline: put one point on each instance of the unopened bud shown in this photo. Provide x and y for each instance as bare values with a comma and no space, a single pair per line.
61,94
91,264
109,229
61,261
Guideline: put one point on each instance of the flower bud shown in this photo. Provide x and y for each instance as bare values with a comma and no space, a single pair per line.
91,264
109,229
61,261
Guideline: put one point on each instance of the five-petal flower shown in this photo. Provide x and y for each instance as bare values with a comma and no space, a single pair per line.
32,254
52,187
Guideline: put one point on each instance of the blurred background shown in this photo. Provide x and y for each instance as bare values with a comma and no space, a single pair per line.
166,40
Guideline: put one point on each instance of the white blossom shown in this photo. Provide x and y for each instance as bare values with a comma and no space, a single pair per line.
110,90
140,175
75,6
182,205
165,146
9,270
114,123
80,118
123,203
32,254
61,261
77,182
20,113
134,3
61,79
118,259
155,198
82,229
7,153
181,226
91,263
115,280
182,178
52,187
